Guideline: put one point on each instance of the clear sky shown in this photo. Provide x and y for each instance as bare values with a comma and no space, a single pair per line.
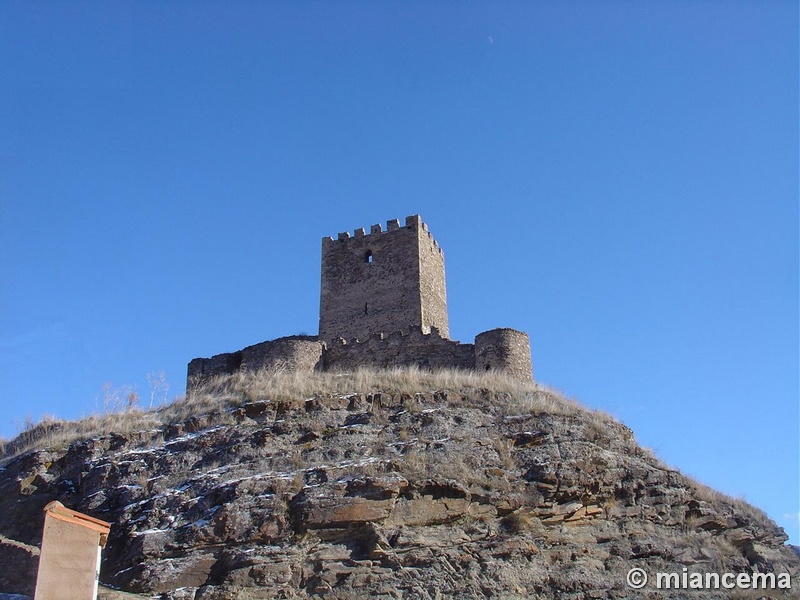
618,179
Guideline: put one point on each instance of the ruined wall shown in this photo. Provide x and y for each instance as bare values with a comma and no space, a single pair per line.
505,350
293,353
413,348
219,364
382,282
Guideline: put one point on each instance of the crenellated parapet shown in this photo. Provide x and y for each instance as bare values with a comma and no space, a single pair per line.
412,223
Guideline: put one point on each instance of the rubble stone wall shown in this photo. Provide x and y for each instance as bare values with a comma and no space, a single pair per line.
219,364
293,353
296,353
506,350
414,348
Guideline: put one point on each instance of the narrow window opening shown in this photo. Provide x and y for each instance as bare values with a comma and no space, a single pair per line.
368,256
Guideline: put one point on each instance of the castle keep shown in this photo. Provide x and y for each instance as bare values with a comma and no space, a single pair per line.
383,303
382,282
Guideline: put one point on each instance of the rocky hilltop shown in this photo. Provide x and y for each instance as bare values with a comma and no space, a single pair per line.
376,485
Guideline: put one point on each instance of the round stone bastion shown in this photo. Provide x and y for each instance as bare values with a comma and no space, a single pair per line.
506,350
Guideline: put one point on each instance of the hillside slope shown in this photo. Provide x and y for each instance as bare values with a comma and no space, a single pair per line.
394,485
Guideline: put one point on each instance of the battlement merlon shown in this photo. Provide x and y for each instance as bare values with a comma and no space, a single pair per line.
413,222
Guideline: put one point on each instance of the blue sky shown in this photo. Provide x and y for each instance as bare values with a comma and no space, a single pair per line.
618,179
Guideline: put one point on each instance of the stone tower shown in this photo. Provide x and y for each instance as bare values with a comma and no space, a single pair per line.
382,282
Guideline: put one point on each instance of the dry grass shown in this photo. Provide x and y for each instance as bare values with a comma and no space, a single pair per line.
282,385
717,498
213,398
51,432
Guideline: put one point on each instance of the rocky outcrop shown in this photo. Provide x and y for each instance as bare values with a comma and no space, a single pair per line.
438,494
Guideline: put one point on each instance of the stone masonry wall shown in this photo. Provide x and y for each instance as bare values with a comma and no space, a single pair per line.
432,288
414,348
505,350
219,364
293,353
384,281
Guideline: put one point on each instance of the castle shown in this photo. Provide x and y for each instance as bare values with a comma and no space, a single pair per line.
383,303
